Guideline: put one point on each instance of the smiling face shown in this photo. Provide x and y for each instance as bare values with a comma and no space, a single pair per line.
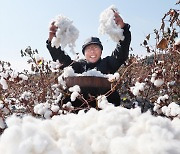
92,53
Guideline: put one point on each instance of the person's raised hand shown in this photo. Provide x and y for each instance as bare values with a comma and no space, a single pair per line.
118,20
52,31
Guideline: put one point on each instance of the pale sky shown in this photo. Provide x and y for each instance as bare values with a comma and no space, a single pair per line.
25,23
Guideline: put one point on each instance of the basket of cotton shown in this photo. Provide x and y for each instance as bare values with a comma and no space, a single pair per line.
89,84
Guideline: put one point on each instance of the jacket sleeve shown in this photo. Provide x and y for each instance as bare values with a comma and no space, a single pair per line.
121,52
58,54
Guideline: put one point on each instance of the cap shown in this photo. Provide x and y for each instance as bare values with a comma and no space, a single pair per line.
92,40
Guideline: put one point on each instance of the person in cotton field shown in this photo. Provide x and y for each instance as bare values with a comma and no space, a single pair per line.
92,50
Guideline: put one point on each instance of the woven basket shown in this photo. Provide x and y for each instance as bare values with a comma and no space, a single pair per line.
89,84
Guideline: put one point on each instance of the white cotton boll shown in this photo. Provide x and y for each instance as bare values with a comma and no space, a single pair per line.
171,83
112,77
174,109
74,95
3,83
5,110
61,81
24,77
140,86
177,42
2,123
5,74
38,59
41,111
162,98
47,105
14,74
75,88
68,104
164,110
153,77
26,95
37,107
103,102
47,114
116,76
68,71
1,104
1,68
54,66
165,97
55,108
137,88
158,82
136,92
108,25
41,108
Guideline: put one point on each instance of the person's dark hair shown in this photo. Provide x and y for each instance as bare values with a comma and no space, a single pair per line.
91,40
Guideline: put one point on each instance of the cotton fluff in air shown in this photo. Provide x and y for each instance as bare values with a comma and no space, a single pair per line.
66,33
108,25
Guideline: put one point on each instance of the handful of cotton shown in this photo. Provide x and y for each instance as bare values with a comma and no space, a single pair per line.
108,25
66,33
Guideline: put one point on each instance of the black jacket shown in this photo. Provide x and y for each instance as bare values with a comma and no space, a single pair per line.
107,65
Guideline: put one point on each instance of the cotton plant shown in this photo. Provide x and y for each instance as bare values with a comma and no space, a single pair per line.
138,88
156,81
45,110
158,104
66,34
108,26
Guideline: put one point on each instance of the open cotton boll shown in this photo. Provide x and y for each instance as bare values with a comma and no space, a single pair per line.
158,82
177,42
24,77
75,88
172,109
103,102
3,83
75,92
74,95
66,33
2,124
139,87
108,25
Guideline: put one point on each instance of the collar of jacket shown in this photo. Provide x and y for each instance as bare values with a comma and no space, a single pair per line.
93,65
